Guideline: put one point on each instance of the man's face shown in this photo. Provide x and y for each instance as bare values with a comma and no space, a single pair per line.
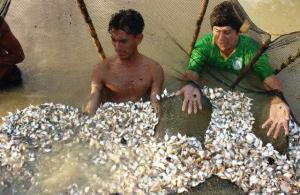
225,37
125,44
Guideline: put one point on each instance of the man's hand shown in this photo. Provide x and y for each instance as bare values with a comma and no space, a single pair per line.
86,110
93,102
278,119
156,108
191,98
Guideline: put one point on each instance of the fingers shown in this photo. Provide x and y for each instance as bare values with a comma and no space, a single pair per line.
184,104
195,107
266,123
179,92
277,130
286,128
86,110
271,129
190,107
198,101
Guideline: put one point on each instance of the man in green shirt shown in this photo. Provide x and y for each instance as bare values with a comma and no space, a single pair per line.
208,53
226,49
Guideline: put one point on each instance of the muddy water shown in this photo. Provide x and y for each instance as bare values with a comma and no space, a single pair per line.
276,17
60,72
60,57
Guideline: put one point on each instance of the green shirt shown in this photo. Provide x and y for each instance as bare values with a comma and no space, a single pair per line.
206,52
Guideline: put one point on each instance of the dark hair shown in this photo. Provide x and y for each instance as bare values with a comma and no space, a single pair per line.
225,15
130,21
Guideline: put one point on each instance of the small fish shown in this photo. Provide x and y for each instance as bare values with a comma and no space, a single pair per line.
157,97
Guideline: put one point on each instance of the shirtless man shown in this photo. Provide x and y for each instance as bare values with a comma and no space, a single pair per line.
11,53
129,75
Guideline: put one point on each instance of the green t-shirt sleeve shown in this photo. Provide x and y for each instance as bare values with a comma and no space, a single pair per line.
200,54
262,67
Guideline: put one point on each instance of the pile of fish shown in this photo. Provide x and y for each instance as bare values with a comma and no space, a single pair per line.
122,136
30,131
294,147
141,163
239,155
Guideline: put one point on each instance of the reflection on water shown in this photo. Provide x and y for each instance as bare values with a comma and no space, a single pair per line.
69,164
61,168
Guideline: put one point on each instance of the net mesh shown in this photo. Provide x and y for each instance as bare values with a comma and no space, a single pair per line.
57,29
59,49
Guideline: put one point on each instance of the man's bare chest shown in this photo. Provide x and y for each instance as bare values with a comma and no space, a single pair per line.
126,81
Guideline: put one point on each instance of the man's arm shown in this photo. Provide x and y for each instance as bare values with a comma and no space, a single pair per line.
94,99
279,111
10,46
271,82
190,75
157,83
191,94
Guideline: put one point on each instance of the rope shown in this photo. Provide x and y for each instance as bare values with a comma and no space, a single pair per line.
249,66
198,24
4,10
93,33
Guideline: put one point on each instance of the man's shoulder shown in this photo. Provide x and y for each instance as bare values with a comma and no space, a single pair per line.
205,40
248,41
101,68
154,67
208,36
100,71
104,64
150,62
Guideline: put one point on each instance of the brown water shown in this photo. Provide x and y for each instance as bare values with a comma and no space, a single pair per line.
60,71
276,17
60,56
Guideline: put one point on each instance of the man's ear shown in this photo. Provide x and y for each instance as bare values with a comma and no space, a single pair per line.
139,38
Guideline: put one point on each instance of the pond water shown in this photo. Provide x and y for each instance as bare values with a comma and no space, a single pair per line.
51,75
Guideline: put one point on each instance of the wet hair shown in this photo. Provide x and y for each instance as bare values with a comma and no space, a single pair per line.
225,15
130,21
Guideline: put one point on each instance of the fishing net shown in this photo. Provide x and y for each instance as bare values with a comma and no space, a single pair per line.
55,33
57,30
57,44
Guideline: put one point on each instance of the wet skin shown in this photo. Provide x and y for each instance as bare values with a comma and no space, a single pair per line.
11,51
129,75
125,82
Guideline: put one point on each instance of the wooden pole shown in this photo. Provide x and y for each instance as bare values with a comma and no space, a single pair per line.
4,10
93,33
249,66
198,24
